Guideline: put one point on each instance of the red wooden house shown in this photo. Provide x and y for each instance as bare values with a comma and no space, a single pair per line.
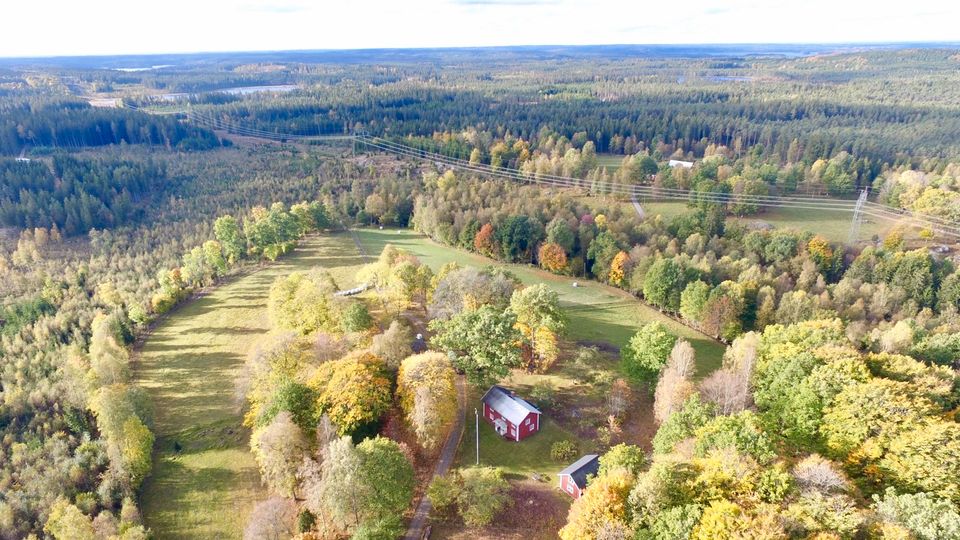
573,479
510,415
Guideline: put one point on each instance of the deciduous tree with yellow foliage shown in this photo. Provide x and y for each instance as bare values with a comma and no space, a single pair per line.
426,388
604,502
539,319
352,391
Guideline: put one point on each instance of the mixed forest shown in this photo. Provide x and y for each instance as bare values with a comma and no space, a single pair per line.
823,405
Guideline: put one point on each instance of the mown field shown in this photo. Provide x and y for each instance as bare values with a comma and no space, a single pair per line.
188,365
833,225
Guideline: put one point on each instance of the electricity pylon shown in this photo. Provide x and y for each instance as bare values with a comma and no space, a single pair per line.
857,218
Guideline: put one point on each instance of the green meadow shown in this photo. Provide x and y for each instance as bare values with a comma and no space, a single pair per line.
205,481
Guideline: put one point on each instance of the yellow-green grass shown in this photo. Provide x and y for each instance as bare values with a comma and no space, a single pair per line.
830,224
597,313
610,161
667,209
189,365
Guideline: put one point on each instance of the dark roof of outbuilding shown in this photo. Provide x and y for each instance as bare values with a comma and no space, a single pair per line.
514,408
581,468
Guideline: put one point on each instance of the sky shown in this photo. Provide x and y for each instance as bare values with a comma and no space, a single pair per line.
97,27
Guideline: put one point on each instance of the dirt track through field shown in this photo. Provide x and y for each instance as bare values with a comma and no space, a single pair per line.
205,481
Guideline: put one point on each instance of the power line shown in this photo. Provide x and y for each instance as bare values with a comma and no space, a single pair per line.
855,225
859,208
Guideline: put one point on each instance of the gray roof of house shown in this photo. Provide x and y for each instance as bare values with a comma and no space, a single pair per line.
512,407
581,468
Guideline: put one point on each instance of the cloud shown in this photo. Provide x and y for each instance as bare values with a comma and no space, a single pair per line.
641,28
505,2
108,26
273,7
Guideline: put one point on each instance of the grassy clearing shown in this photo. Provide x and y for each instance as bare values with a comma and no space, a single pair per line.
831,225
188,365
834,226
610,161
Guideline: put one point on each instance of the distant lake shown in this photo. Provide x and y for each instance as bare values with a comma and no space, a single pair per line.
236,91
244,90
136,69
721,78
729,78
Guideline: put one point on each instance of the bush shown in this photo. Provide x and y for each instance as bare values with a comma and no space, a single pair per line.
485,492
544,394
647,352
305,521
563,451
356,318
622,456
588,356
443,492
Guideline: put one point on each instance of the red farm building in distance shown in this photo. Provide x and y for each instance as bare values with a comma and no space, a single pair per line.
511,416
573,479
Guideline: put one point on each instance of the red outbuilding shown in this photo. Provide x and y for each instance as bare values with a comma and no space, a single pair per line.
573,479
510,415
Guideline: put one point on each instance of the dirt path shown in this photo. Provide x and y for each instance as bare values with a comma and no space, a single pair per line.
449,452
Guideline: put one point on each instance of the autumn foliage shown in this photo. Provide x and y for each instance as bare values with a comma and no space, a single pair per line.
352,391
618,268
552,257
602,504
484,241
427,392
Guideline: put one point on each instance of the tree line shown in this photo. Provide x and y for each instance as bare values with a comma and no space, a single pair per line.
749,176
75,195
719,277
777,107
71,124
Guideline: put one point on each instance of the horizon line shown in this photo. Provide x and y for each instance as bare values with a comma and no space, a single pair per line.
853,44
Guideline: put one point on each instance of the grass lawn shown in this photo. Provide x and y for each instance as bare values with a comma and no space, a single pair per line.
188,366
517,459
597,313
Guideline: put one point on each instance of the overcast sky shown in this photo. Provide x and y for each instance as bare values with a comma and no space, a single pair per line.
80,27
